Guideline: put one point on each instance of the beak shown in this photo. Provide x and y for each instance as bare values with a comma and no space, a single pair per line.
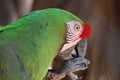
66,46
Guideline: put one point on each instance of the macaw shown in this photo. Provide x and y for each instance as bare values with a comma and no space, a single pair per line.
29,45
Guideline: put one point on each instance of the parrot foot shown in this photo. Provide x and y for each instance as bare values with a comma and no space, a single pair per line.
70,66
76,64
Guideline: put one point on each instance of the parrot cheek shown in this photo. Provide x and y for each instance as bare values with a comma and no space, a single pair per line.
77,36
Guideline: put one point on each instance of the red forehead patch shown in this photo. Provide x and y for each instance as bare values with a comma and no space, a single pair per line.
86,31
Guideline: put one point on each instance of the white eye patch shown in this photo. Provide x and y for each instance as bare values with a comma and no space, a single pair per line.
74,26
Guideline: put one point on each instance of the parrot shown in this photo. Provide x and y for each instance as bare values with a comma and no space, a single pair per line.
29,44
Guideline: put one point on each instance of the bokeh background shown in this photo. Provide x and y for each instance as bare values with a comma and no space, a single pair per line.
104,17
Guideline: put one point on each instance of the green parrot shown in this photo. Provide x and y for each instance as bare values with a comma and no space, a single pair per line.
29,45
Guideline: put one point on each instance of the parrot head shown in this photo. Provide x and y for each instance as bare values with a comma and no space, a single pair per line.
75,32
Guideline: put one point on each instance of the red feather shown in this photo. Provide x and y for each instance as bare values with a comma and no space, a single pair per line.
86,31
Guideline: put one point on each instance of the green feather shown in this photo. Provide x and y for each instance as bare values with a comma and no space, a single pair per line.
28,45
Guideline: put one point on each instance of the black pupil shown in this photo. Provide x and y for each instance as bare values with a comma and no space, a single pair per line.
77,28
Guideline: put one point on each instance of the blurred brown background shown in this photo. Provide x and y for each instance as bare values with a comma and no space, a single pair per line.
104,17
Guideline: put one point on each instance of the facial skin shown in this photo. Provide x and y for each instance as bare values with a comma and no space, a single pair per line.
74,30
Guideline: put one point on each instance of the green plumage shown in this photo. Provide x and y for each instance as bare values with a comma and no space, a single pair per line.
28,45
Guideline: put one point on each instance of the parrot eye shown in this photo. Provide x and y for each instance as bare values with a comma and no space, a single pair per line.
76,27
